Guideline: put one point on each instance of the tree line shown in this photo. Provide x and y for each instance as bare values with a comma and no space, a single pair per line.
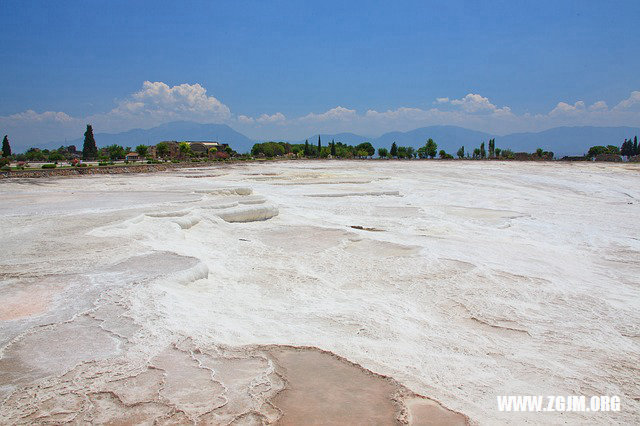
333,149
366,150
629,148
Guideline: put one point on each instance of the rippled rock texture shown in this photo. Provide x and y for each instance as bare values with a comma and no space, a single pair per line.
364,292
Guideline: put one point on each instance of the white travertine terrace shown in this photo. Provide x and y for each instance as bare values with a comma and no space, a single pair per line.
460,280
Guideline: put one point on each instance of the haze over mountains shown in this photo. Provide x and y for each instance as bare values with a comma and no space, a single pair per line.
561,140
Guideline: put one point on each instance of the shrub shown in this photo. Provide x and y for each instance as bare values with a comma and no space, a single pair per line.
4,162
105,163
5,168
82,165
48,166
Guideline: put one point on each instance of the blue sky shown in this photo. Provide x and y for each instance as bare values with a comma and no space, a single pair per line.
287,69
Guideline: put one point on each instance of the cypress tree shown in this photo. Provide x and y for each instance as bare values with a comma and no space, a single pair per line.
635,145
89,149
394,150
627,148
319,146
6,148
306,148
483,152
333,148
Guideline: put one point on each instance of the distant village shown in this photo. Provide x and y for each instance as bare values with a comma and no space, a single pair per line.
91,155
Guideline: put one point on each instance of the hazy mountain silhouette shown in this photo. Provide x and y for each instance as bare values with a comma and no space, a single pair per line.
561,140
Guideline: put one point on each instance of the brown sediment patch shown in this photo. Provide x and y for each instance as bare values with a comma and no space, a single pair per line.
185,383
323,388
55,349
425,411
27,302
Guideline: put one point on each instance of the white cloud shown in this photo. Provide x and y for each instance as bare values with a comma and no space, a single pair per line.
474,103
472,111
278,117
564,108
245,119
599,106
30,128
337,113
631,103
32,116
158,102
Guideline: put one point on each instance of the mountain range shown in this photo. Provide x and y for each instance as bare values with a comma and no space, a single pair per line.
561,140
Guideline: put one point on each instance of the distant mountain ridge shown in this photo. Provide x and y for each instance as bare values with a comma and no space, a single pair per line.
561,140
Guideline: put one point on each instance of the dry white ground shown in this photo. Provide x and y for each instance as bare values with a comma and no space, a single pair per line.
461,280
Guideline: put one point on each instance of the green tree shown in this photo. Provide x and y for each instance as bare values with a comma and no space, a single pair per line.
278,149
142,150
442,153
55,156
507,153
402,152
596,150
383,152
257,149
319,146
115,151
394,150
492,148
6,148
476,153
483,152
333,148
162,149
411,152
307,149
89,148
498,152
612,149
422,152
185,149
367,147
627,148
460,152
431,148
